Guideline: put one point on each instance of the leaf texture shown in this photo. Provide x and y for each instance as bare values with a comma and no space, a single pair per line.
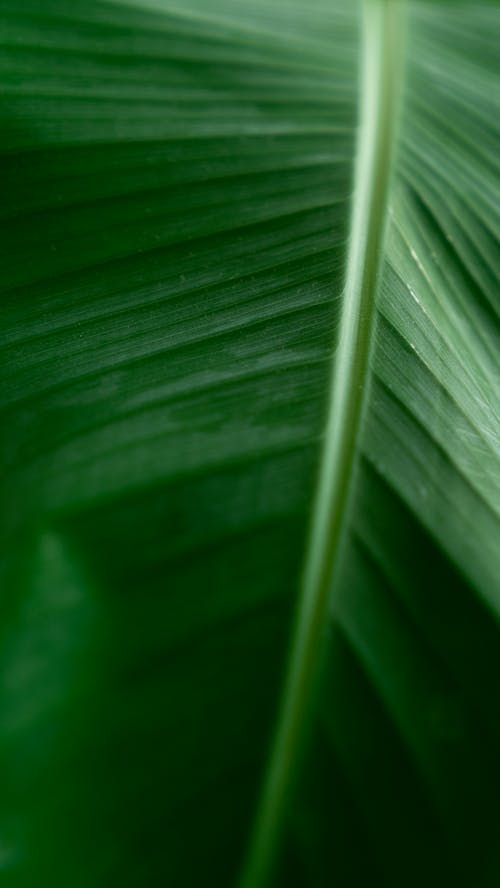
177,185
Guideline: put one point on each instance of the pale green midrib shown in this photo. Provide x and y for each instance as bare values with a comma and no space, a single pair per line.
382,67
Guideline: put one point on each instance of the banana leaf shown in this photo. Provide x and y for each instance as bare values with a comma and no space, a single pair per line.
249,389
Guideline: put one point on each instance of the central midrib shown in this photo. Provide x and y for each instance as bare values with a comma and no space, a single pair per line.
382,64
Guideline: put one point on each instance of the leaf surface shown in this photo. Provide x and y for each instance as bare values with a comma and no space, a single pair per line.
176,228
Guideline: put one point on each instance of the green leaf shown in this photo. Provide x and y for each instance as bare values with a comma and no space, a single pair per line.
249,392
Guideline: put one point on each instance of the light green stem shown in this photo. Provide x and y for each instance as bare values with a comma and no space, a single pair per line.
381,81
